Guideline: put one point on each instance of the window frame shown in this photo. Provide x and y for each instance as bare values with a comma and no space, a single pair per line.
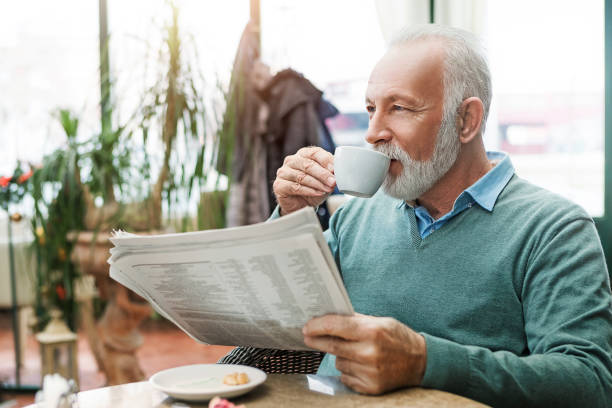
604,223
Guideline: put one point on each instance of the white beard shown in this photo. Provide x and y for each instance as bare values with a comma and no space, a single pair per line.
417,177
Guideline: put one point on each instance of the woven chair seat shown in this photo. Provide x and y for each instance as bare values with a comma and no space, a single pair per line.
273,361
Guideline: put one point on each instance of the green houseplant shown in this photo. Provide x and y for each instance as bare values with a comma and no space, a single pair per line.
64,204
173,109
58,208
109,180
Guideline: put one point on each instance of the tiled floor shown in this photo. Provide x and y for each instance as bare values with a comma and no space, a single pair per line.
164,346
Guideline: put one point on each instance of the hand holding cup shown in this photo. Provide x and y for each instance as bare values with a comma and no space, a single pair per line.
305,179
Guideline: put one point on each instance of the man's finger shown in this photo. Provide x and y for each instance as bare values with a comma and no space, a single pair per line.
356,383
351,367
302,178
323,157
310,167
286,188
362,353
339,347
345,327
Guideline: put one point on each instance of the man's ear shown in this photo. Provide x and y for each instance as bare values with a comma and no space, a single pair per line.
469,121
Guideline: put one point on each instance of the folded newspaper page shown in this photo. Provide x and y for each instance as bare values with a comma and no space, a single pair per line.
247,286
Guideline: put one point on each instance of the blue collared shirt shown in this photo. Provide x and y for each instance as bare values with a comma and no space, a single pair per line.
484,193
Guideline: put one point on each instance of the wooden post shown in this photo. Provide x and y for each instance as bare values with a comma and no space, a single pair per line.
105,88
256,19
432,11
14,304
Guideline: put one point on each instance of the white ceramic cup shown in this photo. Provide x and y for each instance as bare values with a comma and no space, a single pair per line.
360,171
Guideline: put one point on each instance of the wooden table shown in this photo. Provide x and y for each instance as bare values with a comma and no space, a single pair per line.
279,390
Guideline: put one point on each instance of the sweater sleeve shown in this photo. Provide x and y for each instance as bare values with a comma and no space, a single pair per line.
567,308
331,235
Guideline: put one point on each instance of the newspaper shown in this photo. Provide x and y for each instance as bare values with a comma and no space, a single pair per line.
247,286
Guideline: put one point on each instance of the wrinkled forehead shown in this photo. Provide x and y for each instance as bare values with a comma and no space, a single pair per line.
415,67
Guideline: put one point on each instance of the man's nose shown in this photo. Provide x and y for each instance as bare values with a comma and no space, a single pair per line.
377,132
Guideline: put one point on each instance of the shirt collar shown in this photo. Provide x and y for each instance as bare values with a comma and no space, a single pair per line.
486,190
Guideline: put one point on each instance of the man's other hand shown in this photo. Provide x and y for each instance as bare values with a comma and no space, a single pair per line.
373,354
305,179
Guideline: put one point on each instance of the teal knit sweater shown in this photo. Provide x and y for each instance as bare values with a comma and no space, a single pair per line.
515,305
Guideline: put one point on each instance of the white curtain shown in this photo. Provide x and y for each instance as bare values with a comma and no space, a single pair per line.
395,14
467,14
25,262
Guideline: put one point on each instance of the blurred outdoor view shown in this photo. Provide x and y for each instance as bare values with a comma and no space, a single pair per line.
546,58
548,80
547,63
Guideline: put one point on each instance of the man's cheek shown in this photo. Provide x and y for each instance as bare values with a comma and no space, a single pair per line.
396,168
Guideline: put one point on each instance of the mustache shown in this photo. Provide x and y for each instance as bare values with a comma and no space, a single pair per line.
393,151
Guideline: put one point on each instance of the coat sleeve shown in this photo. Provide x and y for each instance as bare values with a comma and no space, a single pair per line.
301,129
567,307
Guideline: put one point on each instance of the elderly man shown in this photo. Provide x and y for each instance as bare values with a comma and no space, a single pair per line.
466,278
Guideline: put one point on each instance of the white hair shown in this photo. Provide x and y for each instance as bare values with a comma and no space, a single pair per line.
466,71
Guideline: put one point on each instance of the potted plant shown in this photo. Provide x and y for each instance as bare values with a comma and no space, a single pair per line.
173,109
58,208
110,180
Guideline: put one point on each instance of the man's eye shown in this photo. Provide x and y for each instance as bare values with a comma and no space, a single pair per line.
398,108
370,109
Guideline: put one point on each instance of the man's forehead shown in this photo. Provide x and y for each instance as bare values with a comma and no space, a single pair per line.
389,93
407,70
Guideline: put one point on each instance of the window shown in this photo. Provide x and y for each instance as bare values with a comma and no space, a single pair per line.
546,59
547,64
335,44
210,33
49,54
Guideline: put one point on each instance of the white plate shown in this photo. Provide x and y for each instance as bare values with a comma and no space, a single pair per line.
200,382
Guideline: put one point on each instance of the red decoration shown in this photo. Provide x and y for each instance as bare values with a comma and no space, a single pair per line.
4,181
222,403
61,292
24,177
